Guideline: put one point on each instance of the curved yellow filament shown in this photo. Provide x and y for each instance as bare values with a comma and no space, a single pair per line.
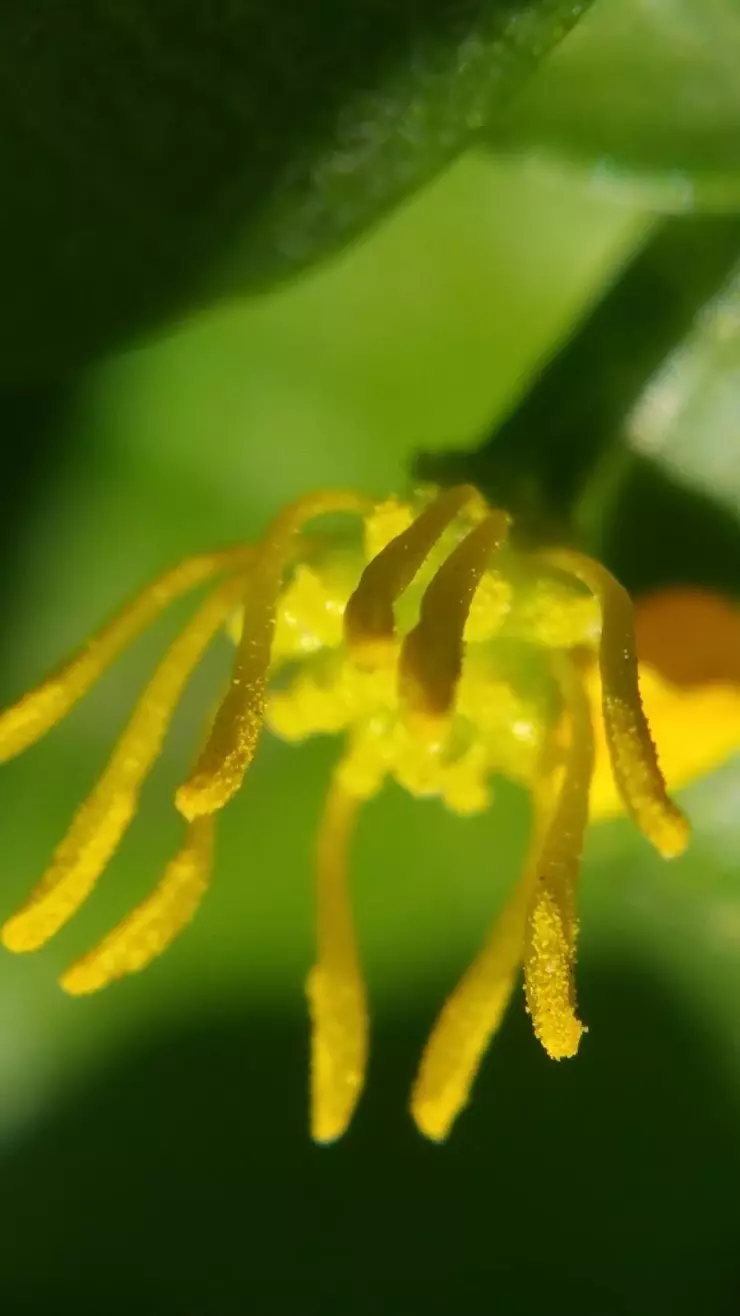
537,925
432,653
336,993
40,709
150,928
552,925
397,715
632,752
369,624
473,1013
100,823
229,750
469,1018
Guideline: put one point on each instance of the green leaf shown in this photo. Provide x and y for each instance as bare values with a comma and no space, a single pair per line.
140,143
646,93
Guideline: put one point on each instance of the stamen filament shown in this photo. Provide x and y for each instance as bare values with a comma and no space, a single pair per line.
633,754
230,748
473,1013
336,993
369,624
549,956
150,928
442,704
432,653
40,709
102,820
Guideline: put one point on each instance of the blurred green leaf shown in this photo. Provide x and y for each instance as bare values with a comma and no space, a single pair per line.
647,94
632,422
549,457
140,143
687,422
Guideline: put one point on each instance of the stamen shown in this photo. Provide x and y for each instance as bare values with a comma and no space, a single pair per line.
220,769
150,928
39,710
432,653
468,1021
101,822
552,926
633,754
473,1013
369,624
339,1041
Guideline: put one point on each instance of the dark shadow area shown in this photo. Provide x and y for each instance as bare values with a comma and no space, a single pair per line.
662,533
184,1182
34,438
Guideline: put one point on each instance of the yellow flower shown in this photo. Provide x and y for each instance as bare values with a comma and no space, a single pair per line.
445,655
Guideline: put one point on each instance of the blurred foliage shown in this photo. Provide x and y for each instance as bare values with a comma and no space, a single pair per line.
646,95
159,153
567,345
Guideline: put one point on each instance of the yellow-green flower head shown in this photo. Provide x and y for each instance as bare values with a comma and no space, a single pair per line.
444,656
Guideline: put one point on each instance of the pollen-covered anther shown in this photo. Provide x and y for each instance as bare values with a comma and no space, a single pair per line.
550,990
102,820
237,727
468,1021
150,928
633,755
369,621
26,721
473,1012
552,925
336,992
432,653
